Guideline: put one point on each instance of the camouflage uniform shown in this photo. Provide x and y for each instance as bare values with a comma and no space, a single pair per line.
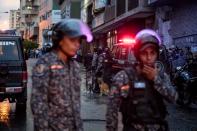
100,63
94,60
55,97
162,86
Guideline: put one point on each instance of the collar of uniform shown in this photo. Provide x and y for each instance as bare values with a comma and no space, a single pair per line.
57,59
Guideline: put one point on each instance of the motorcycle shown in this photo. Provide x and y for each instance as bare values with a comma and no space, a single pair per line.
185,79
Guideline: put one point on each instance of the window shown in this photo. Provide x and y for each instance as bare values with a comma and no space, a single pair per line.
117,52
8,50
121,7
123,52
132,4
114,51
131,55
108,2
47,15
89,13
50,13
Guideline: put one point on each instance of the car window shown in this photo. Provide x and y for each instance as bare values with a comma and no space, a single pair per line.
114,51
8,50
124,53
131,55
117,54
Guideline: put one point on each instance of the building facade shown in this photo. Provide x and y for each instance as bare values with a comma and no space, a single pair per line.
85,14
29,19
49,14
70,8
14,22
112,20
176,22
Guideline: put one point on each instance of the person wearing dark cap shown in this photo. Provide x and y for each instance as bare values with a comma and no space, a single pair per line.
138,92
55,100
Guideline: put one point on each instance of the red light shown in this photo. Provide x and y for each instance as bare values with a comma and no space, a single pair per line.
25,75
127,40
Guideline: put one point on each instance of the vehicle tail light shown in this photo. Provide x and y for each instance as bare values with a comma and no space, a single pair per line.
127,41
24,76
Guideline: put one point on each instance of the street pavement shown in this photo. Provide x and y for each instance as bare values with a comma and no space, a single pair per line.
92,111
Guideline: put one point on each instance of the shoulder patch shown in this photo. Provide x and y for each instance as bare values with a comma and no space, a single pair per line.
54,67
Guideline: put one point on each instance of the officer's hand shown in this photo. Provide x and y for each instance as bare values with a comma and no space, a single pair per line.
150,72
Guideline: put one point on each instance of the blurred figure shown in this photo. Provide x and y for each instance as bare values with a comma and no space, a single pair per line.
95,56
107,66
189,55
163,57
96,67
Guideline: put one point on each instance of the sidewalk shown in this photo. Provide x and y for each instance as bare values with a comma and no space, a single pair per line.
93,109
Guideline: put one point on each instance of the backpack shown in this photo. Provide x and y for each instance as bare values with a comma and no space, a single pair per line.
143,104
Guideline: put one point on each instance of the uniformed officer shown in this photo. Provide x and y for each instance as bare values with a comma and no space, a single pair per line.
55,100
139,91
97,71
94,59
107,66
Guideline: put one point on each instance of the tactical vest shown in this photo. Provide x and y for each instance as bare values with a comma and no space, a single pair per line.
143,103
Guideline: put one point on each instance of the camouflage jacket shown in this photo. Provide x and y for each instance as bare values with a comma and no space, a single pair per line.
100,63
94,60
161,85
55,100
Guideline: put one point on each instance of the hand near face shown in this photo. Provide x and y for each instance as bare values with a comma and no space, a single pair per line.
150,72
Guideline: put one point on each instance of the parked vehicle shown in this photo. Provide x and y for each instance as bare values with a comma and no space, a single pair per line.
13,70
122,55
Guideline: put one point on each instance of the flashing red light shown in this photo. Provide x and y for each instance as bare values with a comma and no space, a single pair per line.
127,40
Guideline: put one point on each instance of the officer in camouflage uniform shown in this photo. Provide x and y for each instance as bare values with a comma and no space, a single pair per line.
94,59
138,91
55,97
107,65
99,69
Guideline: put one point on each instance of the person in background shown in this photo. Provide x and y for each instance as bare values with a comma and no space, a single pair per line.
107,66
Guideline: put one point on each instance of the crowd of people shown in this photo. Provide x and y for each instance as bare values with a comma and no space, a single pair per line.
138,91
